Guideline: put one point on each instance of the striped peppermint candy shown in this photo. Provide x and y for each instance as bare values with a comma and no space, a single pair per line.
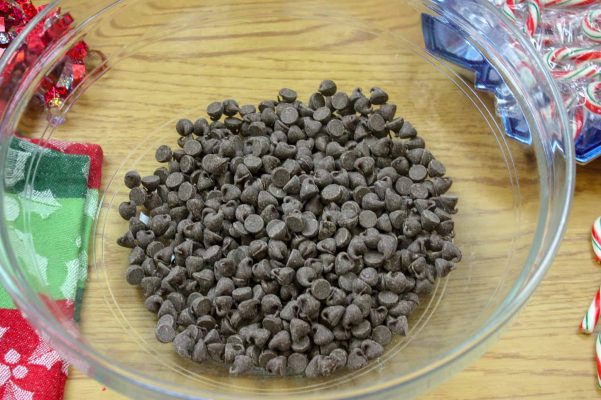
598,359
592,315
568,3
596,239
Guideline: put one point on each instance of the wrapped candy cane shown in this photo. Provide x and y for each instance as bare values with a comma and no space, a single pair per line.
533,11
591,25
575,54
568,3
592,100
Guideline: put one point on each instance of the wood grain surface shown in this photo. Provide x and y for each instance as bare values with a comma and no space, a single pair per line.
540,356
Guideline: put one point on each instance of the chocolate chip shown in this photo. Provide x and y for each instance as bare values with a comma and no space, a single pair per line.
327,88
242,364
215,110
322,115
134,275
378,96
356,359
127,210
376,123
184,127
368,219
297,363
165,329
132,179
320,289
418,173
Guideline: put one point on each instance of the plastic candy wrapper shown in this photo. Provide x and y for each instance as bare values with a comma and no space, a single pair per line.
567,34
64,78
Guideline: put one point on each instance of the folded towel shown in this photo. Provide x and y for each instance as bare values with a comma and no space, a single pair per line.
49,221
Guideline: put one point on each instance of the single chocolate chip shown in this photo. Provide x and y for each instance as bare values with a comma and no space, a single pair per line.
406,131
163,154
403,185
322,115
398,325
230,107
289,115
192,148
165,329
387,111
320,289
132,179
134,275
376,123
418,173
215,110
127,210
242,364
254,224
336,128
281,341
321,335
363,106
368,219
288,95
276,366
327,87
184,127
340,101
297,363
356,359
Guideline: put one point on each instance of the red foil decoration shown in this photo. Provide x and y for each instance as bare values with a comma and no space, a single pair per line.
56,87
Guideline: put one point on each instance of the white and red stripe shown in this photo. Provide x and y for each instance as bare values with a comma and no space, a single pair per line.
591,25
598,358
591,318
596,239
568,3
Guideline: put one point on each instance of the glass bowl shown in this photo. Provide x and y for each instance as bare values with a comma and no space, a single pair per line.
161,61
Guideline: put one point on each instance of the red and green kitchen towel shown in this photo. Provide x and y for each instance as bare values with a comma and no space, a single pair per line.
50,220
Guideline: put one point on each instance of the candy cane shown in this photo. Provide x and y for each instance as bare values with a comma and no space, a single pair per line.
596,239
591,25
577,122
598,357
575,54
591,318
592,315
592,100
533,12
580,56
568,3
533,8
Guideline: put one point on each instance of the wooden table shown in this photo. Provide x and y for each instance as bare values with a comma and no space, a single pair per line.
541,355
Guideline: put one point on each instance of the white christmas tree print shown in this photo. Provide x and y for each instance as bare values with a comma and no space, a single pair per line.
29,258
42,203
69,286
16,161
12,209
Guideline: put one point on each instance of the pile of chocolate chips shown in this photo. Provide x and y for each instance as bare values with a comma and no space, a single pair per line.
296,238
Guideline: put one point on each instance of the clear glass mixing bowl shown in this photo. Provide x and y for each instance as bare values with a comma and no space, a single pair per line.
166,60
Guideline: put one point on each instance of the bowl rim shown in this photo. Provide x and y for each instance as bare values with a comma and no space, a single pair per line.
120,378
